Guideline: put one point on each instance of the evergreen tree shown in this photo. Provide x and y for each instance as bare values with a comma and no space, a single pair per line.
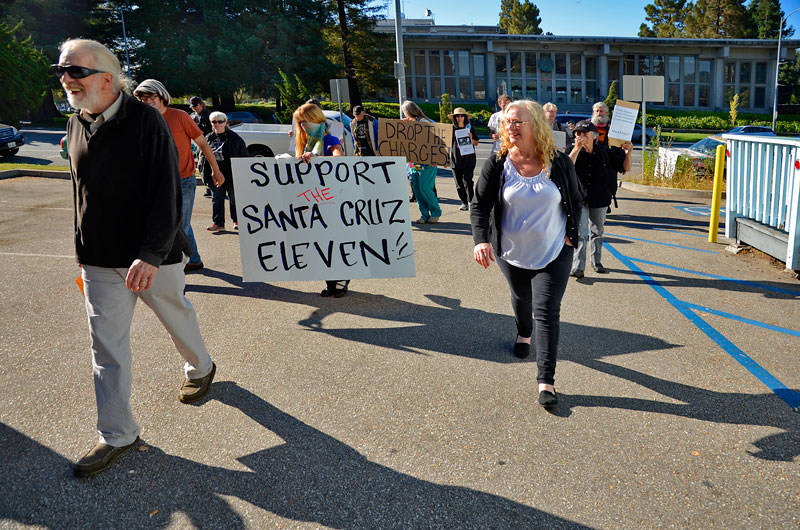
764,18
520,18
717,19
613,96
666,17
23,75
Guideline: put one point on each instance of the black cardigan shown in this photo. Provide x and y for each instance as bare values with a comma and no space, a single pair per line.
486,211
126,189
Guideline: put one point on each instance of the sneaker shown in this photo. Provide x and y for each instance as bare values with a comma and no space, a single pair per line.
433,220
421,221
192,267
100,458
576,274
215,228
194,389
600,269
464,207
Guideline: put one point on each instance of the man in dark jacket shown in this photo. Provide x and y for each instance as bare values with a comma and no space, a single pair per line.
128,238
365,132
200,114
596,166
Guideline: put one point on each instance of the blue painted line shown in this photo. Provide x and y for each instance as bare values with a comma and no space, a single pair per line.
750,321
699,211
724,278
664,244
791,397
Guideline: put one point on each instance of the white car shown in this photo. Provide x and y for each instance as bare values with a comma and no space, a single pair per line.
268,140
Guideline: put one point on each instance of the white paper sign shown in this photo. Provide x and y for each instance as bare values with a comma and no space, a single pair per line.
464,142
561,140
622,123
333,218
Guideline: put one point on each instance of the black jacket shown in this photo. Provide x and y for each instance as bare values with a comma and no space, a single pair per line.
233,146
597,174
486,211
126,189
203,120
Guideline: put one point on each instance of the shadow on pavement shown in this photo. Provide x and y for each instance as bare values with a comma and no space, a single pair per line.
311,477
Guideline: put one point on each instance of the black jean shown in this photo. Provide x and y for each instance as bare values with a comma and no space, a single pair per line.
537,294
464,186
218,202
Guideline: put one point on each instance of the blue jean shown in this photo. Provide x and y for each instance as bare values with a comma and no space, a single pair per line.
188,189
218,202
590,226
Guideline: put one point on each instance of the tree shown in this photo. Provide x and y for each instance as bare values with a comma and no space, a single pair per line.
611,99
717,19
23,75
764,19
520,18
371,54
667,18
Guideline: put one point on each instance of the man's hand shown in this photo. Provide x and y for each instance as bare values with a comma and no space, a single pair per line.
627,147
218,178
140,276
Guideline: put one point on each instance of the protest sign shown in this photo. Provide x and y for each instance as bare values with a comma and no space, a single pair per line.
560,138
622,123
464,141
335,217
419,141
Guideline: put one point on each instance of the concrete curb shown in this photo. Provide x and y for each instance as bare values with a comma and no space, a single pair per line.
46,173
668,192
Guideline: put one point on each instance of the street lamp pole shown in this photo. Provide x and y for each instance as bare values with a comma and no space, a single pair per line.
399,65
778,69
125,38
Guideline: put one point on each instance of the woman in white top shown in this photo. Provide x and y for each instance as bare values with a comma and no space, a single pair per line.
523,211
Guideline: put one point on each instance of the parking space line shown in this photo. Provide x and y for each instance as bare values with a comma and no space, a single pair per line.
791,397
744,320
664,244
717,277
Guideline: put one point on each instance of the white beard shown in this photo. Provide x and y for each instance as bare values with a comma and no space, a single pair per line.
599,120
89,98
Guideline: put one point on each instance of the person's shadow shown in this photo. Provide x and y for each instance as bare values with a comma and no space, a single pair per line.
310,477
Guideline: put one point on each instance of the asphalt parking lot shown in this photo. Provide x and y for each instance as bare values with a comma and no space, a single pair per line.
400,405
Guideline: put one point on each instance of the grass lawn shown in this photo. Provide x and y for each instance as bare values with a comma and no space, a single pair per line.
11,165
684,136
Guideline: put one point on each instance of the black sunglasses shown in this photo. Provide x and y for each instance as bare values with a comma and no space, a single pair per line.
76,72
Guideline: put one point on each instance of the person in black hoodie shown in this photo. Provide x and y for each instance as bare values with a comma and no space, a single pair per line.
462,155
225,144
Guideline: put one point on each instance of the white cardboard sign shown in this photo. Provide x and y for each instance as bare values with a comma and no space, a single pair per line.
332,218
622,123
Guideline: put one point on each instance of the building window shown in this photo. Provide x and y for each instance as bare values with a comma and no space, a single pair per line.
748,79
478,76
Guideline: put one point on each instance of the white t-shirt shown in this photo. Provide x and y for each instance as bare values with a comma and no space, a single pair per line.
494,127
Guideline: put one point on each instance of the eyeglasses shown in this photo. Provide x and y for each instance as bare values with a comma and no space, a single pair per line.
76,72
217,121
515,124
145,97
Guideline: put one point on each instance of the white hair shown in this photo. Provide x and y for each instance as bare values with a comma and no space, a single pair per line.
549,105
217,114
600,104
104,59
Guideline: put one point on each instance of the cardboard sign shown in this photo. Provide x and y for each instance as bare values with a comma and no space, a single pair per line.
419,141
622,123
332,218
560,138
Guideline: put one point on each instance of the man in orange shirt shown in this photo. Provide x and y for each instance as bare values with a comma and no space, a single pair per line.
184,132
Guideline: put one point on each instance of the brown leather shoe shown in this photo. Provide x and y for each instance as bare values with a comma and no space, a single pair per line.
194,389
100,458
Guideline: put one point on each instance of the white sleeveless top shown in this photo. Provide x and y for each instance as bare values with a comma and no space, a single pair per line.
533,224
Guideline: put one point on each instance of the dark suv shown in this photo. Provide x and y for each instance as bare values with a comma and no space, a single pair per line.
10,140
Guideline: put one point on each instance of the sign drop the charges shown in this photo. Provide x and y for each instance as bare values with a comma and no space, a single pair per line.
331,218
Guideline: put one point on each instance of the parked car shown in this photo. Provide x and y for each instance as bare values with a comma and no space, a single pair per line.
10,140
264,139
701,154
241,116
566,119
757,130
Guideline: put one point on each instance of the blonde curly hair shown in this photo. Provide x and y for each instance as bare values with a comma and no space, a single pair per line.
544,144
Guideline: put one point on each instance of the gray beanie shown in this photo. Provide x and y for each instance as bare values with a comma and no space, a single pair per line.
153,86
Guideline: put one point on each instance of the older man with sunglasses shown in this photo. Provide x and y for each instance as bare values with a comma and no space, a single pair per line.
128,238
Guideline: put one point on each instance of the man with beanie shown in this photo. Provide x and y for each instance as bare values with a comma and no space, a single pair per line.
184,132
128,238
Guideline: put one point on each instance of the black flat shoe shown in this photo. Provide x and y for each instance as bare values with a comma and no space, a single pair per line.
548,399
522,349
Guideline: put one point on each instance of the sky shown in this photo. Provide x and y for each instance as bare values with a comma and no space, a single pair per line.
562,17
